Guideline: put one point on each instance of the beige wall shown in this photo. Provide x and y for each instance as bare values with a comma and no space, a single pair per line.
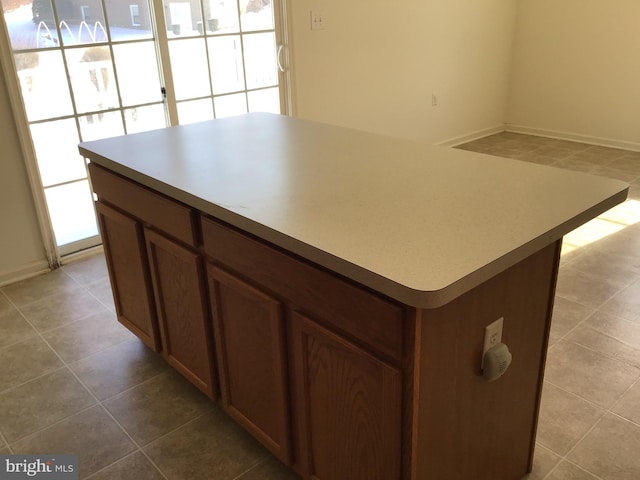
377,63
21,248
577,69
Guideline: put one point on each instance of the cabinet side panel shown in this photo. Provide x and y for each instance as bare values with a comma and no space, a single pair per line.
250,341
468,427
128,271
352,407
181,299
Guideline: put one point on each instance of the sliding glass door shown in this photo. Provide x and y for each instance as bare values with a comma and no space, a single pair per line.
89,69
223,57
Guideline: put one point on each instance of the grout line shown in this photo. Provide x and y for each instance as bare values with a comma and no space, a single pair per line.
563,459
258,462
599,407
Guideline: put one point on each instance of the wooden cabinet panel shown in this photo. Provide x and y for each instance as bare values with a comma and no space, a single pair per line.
124,249
355,312
178,282
351,407
473,428
250,345
170,216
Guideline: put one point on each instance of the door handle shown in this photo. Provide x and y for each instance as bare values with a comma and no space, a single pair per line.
278,58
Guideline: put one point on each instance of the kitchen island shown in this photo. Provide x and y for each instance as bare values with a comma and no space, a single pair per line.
331,288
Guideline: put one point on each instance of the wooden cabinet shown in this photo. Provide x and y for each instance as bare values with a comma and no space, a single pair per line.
350,405
336,380
157,273
251,349
124,249
289,333
177,274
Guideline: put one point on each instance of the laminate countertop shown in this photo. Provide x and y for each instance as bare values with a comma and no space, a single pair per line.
421,224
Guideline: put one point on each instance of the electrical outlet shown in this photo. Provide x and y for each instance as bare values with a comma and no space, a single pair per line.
492,336
318,20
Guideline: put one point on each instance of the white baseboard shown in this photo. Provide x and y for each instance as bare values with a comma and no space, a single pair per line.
574,137
27,271
469,137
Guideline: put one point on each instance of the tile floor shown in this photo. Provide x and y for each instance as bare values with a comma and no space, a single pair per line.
73,380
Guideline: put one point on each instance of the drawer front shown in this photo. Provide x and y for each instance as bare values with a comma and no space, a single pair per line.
339,304
173,218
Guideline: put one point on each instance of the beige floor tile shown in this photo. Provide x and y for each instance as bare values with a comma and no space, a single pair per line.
157,406
610,450
475,146
269,469
119,368
88,270
101,290
587,288
5,305
569,471
623,330
575,146
619,267
563,154
603,343
570,253
600,155
611,172
625,304
14,328
211,447
566,316
134,467
25,361
503,151
533,157
82,338
52,283
564,419
588,374
92,435
31,406
57,310
630,161
543,462
629,404
625,242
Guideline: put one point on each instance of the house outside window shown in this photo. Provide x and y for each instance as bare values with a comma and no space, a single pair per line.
85,14
135,15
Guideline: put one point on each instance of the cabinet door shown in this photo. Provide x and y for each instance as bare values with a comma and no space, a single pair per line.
250,344
180,293
351,407
124,250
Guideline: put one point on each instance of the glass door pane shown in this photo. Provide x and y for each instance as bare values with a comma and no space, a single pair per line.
225,51
83,75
